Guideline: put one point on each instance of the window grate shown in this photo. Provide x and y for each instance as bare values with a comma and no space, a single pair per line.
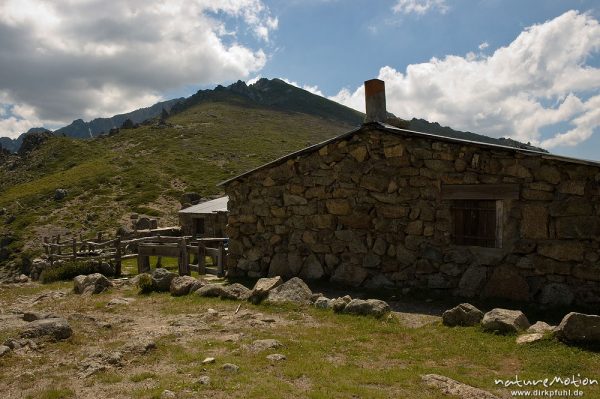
475,223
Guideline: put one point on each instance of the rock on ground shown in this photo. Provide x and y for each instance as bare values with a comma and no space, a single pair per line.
262,287
339,304
505,321
579,328
211,290
294,290
4,350
464,314
541,327
56,328
529,338
236,291
276,357
231,367
264,344
368,307
183,285
91,284
322,303
161,279
449,386
33,316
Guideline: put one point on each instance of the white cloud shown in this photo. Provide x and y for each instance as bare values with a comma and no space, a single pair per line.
419,7
66,60
313,89
483,46
539,80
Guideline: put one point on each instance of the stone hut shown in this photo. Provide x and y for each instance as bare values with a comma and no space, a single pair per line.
381,206
207,219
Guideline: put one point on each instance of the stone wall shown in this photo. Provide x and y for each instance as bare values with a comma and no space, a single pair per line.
368,210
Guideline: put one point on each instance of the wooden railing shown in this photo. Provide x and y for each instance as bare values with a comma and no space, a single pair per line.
116,250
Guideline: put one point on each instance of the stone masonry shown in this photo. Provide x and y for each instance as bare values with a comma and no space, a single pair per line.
366,209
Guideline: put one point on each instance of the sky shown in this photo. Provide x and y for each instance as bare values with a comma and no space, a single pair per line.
529,70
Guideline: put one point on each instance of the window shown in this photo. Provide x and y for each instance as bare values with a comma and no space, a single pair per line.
477,211
476,223
198,227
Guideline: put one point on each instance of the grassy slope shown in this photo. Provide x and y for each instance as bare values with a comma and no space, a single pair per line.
145,170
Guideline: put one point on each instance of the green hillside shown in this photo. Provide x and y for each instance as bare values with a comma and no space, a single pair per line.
145,170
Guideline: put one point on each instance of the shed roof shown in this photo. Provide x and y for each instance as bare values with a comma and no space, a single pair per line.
404,132
212,206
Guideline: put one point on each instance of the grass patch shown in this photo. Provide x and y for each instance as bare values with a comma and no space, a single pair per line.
143,376
52,393
67,271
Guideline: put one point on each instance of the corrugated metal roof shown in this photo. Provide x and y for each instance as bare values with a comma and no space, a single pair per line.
216,205
404,132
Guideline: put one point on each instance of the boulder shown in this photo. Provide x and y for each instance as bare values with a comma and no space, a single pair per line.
556,294
541,327
464,314
529,338
142,223
4,350
55,328
236,291
339,304
322,303
579,328
60,194
211,290
262,287
161,279
33,316
368,307
294,290
230,367
183,285
91,284
505,321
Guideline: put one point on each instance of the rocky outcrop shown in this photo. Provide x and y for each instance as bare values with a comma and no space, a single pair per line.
33,140
505,321
464,315
579,328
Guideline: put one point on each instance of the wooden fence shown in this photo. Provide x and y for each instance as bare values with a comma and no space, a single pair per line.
115,250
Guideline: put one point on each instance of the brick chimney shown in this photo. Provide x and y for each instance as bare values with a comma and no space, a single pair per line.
375,101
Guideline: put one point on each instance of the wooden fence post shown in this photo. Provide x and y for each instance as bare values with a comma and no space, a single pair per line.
118,257
221,259
201,258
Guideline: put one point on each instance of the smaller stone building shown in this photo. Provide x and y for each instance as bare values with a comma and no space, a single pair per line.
381,206
207,219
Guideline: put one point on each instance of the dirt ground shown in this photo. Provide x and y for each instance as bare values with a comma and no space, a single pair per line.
123,341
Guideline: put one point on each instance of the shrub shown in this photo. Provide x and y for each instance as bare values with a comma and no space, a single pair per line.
67,271
145,283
